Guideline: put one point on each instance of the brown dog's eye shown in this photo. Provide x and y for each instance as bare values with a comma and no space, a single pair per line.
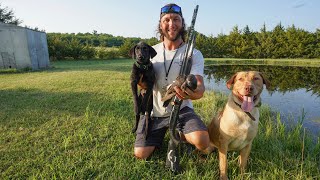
240,79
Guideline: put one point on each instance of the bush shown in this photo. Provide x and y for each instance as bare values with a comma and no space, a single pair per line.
60,49
88,52
125,48
107,53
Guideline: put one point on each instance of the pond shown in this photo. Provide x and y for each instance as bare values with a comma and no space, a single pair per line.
295,91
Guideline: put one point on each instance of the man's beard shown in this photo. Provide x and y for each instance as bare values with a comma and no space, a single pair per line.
174,38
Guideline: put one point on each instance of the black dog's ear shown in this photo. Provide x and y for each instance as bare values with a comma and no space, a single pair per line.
132,52
152,52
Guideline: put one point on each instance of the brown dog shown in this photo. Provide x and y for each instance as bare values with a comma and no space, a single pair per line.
237,125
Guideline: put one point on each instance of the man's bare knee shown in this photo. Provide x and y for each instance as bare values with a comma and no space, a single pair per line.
143,152
199,138
202,144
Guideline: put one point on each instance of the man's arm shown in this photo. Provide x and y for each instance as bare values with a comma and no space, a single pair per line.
193,95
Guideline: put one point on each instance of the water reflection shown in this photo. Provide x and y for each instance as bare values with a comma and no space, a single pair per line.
283,78
293,89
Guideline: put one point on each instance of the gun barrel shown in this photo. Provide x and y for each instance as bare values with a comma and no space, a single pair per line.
184,72
187,57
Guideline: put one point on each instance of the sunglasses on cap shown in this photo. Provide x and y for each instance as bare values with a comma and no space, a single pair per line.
171,9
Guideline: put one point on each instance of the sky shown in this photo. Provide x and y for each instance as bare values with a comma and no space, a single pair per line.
139,18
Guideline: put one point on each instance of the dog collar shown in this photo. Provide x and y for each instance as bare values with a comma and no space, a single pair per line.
143,66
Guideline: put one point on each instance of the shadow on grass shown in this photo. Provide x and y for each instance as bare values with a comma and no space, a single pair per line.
57,134
32,107
118,65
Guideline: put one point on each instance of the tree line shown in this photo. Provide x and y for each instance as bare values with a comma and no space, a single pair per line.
91,45
280,42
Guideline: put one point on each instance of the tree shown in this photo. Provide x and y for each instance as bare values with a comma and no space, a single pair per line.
127,45
249,43
152,41
295,46
236,42
279,41
263,49
7,16
246,30
222,46
317,44
57,47
203,45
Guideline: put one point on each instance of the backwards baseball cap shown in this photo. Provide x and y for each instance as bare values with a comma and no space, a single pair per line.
170,8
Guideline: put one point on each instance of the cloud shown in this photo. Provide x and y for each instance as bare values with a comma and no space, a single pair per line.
299,4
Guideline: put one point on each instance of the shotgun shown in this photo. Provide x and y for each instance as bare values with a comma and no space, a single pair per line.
173,160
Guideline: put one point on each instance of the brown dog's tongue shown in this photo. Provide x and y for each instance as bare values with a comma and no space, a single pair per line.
247,104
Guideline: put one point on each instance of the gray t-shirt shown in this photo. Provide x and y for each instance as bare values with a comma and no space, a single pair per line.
161,83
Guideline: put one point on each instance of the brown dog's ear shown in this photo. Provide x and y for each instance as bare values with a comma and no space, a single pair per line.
230,82
132,52
152,52
265,81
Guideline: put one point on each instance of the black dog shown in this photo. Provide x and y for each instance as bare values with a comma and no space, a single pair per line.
142,75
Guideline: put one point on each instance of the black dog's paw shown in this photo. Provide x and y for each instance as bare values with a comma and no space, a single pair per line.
135,127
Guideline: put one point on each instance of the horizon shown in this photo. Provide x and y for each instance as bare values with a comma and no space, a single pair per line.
140,18
228,33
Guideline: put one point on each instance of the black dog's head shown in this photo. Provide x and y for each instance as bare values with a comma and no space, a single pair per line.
142,52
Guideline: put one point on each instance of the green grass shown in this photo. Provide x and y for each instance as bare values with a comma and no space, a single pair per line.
107,48
74,120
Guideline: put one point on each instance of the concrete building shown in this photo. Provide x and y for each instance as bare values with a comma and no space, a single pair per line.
22,48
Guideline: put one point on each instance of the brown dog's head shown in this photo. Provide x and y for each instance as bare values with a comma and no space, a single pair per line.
142,52
246,87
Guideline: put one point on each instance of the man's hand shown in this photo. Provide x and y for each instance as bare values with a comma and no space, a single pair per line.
189,94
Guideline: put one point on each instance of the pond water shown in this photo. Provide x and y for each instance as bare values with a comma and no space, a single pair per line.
295,91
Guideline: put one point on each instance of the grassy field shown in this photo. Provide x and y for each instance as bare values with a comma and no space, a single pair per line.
74,120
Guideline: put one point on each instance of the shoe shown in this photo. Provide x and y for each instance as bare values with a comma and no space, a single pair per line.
187,148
